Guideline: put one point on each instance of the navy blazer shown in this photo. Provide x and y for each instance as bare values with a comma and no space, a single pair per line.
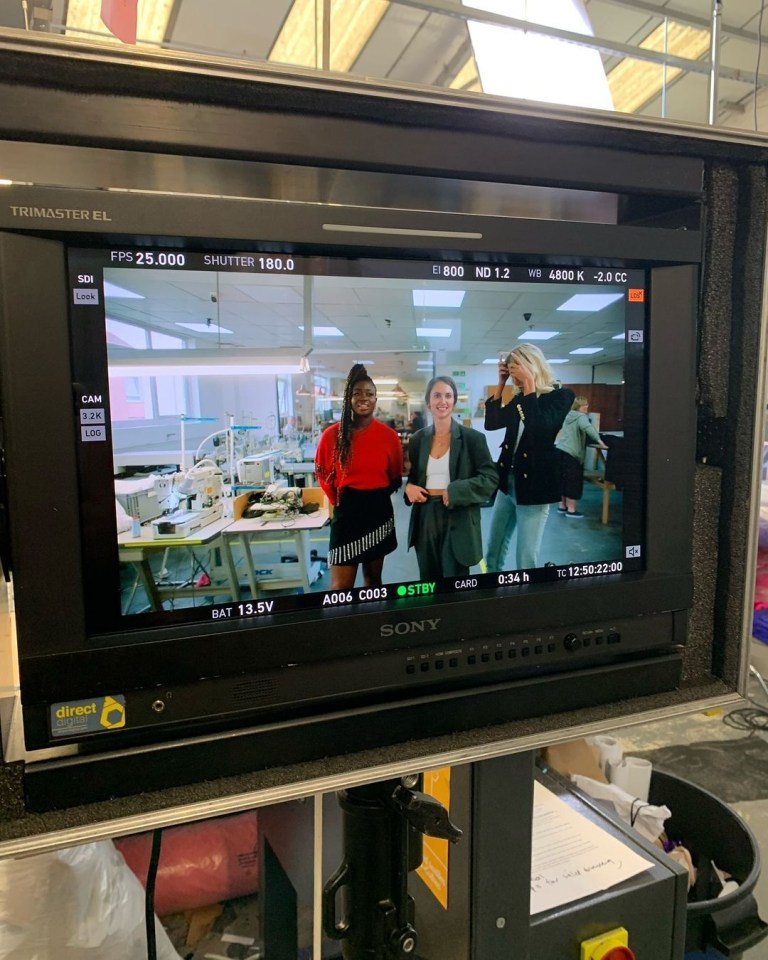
534,463
473,479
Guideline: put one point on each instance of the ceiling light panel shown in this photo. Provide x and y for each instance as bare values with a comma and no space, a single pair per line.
438,298
538,335
300,40
590,302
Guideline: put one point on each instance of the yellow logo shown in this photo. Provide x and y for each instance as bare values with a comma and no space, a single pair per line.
112,713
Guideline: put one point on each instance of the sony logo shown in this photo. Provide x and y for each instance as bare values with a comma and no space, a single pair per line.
59,213
409,626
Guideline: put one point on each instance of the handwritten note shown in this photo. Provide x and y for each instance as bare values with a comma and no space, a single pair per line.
571,856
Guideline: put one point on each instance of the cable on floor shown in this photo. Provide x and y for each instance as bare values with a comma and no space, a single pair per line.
752,719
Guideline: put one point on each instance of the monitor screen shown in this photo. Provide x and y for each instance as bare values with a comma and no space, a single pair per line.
210,395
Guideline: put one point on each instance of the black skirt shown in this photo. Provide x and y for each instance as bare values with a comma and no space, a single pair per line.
363,526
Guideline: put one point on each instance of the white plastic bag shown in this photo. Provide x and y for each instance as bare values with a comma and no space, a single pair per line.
83,903
647,818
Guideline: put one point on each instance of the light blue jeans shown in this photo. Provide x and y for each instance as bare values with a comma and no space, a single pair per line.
508,515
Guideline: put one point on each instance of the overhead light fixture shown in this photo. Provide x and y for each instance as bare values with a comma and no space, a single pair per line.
199,363
491,360
433,331
590,302
84,18
526,64
386,381
325,331
5,183
304,365
204,327
634,83
200,370
538,335
551,360
300,41
366,363
112,290
619,336
585,350
438,298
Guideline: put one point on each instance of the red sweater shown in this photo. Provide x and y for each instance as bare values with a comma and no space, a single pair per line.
376,460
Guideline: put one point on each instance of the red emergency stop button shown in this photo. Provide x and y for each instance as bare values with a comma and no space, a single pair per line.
618,953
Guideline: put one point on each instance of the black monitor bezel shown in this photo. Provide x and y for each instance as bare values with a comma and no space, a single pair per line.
46,397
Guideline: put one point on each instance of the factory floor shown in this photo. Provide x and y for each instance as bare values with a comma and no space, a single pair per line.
720,760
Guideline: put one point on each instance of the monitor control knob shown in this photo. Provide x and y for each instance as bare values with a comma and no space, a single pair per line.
571,641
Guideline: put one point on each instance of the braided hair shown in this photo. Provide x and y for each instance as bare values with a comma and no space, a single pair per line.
344,436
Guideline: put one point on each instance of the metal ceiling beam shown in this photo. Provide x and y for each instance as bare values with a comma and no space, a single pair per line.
609,47
681,16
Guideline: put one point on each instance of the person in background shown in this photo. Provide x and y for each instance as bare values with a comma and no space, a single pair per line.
571,447
417,421
451,474
529,478
359,465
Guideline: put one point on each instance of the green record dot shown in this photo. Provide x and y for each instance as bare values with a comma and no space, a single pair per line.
401,591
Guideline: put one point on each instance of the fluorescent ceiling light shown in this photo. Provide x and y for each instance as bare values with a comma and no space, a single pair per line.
438,298
634,83
514,63
433,331
556,360
84,16
491,360
366,363
5,183
201,370
585,350
619,336
326,331
391,381
300,40
112,290
201,363
590,302
538,335
204,327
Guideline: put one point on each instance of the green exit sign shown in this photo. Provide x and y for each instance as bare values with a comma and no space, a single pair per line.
458,373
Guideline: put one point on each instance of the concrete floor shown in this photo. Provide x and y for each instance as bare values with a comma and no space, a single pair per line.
706,727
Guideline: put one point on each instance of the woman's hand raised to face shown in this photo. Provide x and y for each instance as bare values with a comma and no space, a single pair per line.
503,370
522,374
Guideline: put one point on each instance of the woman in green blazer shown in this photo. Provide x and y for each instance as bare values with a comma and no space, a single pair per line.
452,473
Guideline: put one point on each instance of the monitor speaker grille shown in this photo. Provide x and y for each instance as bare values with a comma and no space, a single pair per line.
252,690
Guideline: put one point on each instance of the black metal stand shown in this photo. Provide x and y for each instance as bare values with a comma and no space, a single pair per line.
383,824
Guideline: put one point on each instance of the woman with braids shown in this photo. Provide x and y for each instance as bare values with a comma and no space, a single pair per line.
359,465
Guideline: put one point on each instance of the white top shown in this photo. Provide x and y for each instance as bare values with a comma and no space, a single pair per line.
438,476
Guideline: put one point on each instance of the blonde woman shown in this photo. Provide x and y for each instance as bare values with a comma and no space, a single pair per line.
529,476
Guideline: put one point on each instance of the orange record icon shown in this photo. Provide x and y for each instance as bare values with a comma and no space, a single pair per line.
636,294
